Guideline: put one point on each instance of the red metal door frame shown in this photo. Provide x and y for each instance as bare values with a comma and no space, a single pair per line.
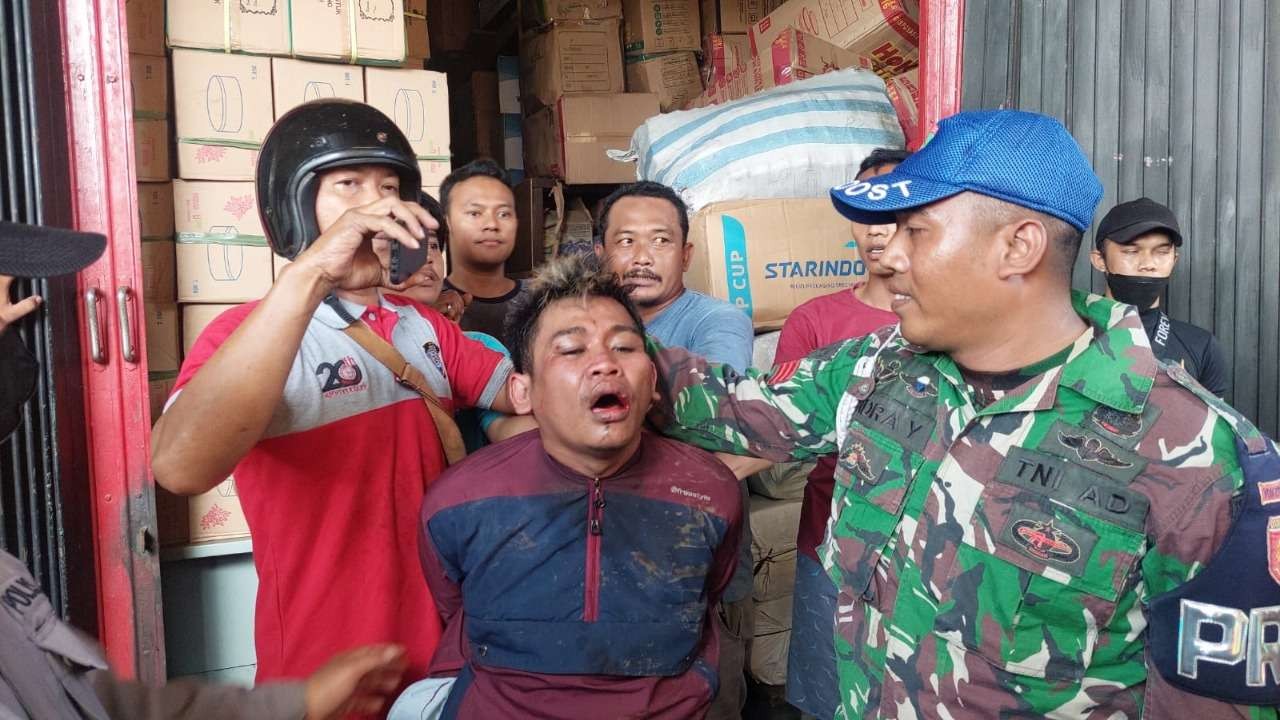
104,199
941,57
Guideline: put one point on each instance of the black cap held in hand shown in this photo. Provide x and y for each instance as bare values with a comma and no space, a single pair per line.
1128,221
36,251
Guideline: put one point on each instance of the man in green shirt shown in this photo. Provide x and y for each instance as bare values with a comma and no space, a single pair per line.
1017,477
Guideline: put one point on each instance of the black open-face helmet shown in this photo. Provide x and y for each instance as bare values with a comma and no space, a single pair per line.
314,137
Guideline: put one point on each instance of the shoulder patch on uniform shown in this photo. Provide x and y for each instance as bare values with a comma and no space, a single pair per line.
782,373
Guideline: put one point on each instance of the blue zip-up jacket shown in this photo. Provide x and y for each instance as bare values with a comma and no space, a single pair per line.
567,596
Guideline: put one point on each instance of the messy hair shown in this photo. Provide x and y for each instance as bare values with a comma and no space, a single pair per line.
568,277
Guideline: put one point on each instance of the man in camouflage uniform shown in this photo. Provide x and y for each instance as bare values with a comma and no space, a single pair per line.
1017,475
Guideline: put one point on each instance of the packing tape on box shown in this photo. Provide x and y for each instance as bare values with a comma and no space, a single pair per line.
222,142
222,235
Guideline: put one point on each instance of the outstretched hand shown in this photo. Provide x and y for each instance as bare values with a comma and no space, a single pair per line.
11,312
358,681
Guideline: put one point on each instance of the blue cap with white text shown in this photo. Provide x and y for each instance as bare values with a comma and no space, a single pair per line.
1020,157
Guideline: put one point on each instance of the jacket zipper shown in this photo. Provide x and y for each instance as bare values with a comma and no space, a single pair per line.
595,527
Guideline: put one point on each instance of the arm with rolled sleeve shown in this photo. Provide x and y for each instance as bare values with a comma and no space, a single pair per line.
789,414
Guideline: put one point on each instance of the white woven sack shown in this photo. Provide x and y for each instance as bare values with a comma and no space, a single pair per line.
795,140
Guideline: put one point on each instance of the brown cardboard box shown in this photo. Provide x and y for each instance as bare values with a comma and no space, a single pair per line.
570,57
737,84
673,77
222,111
159,271
215,515
155,210
904,93
488,121
163,341
654,26
418,102
149,80
222,250
294,82
260,27
734,16
151,150
417,40
722,54
145,19
367,31
433,173
544,11
768,256
569,141
795,55
859,25
195,318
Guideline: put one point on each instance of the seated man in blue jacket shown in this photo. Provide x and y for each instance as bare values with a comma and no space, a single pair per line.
577,566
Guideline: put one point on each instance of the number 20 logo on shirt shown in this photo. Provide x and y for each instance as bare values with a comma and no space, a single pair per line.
877,191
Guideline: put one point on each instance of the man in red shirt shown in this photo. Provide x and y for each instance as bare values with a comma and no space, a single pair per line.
331,455
811,661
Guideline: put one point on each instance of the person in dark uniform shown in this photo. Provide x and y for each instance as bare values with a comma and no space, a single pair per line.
48,669
1137,249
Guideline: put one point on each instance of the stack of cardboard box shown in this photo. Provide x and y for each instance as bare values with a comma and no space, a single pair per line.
573,90
661,39
230,75
781,42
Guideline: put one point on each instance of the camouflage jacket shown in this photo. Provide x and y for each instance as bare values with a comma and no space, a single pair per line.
994,561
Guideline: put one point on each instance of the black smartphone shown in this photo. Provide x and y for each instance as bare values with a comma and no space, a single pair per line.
405,261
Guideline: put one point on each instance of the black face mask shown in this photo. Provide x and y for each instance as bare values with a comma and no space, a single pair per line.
1141,291
18,369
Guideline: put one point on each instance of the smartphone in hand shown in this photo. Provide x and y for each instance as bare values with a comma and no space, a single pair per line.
405,261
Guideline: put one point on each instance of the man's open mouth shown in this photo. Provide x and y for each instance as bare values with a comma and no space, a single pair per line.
609,406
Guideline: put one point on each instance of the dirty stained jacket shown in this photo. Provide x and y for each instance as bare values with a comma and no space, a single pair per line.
995,560
48,669
568,596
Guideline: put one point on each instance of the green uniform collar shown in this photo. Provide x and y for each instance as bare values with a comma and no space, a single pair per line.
1111,363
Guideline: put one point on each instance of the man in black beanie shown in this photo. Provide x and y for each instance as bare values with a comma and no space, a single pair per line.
1137,249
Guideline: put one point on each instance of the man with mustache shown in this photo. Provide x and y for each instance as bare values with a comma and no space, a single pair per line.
578,566
643,238
841,315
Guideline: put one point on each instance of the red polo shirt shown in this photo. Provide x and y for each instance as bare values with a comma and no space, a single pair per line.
332,491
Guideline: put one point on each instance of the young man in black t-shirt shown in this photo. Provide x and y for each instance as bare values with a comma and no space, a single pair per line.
1137,249
480,210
